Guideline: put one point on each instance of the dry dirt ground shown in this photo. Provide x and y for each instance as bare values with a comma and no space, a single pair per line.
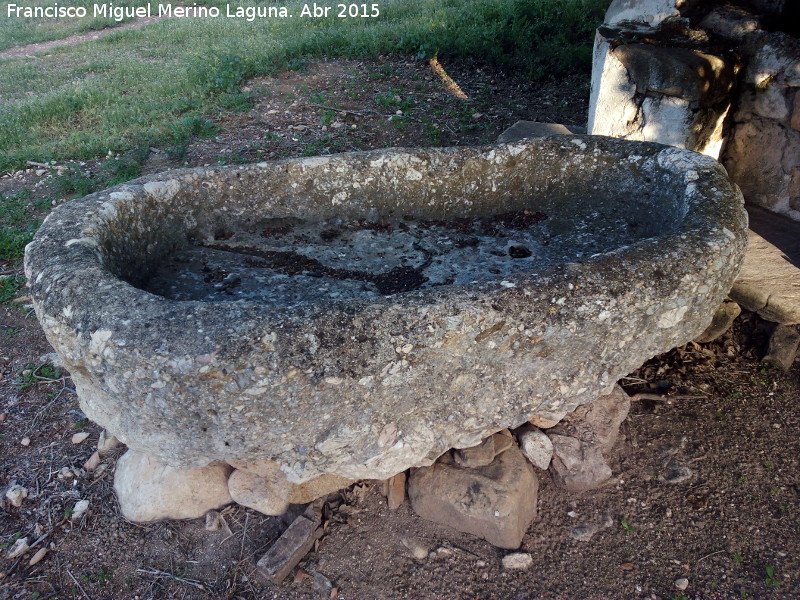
731,529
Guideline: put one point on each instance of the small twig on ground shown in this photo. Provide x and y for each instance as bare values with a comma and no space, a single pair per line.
244,534
450,129
44,380
191,582
461,549
660,398
708,555
80,587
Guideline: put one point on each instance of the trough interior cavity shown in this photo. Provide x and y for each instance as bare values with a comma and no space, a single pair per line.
290,261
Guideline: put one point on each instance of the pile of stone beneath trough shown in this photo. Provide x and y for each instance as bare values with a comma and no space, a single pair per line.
489,490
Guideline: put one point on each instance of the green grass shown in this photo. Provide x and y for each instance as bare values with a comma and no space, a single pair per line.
626,527
9,284
770,579
132,88
18,31
30,375
18,222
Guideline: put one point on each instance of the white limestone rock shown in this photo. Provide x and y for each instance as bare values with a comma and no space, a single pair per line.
16,494
647,12
536,446
671,95
106,443
262,486
19,548
519,561
266,495
149,490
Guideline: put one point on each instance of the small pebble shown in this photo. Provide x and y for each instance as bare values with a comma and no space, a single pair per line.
38,556
26,441
16,494
79,509
19,548
321,584
417,548
106,442
79,437
93,462
300,576
518,560
213,522
682,583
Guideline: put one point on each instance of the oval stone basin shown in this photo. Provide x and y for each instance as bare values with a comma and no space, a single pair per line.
360,314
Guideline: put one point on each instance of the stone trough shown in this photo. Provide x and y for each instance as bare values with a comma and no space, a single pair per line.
360,314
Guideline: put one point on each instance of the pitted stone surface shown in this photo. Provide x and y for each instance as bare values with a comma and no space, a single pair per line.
366,387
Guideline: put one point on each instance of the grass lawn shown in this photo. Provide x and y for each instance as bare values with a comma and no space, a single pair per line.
20,31
158,84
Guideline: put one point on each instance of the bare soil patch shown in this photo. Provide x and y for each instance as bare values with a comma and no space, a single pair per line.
347,105
732,528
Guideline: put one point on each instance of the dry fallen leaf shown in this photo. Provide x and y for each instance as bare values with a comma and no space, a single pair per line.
300,576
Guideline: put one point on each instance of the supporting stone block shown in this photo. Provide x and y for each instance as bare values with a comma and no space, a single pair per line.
496,502
783,347
769,282
149,490
674,96
262,486
723,319
396,491
522,130
291,547
646,12
582,440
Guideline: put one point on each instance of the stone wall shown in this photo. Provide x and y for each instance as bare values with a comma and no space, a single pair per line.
718,78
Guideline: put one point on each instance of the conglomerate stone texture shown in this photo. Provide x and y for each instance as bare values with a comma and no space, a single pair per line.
639,244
